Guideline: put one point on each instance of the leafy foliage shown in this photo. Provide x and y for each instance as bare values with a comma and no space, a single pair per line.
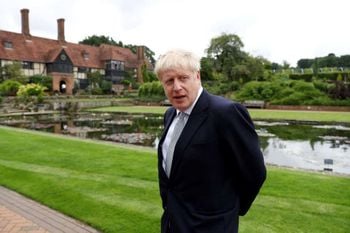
331,60
148,52
221,88
207,68
151,89
9,88
43,80
31,91
95,40
225,55
283,92
97,84
148,76
13,72
226,50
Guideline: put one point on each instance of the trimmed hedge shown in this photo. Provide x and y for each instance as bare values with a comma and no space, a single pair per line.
151,89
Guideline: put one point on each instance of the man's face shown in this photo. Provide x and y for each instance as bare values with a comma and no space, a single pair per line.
181,87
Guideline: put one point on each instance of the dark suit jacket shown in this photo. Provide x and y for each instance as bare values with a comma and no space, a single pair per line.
217,168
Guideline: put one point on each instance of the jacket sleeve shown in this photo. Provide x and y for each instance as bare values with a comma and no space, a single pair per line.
246,156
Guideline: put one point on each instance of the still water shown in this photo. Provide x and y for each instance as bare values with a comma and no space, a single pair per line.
314,147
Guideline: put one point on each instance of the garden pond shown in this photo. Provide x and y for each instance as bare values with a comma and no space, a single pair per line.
309,146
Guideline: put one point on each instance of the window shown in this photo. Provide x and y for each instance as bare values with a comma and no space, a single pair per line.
27,65
59,67
82,69
115,65
85,56
8,45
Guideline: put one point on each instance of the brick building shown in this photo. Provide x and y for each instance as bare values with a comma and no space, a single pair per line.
67,63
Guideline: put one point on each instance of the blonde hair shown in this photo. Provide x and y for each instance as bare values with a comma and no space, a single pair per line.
177,59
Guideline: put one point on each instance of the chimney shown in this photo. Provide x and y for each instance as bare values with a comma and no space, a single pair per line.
25,22
140,53
60,27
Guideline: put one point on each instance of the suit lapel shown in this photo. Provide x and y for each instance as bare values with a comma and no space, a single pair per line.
168,118
195,120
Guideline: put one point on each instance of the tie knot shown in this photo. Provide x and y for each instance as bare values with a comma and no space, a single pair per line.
182,115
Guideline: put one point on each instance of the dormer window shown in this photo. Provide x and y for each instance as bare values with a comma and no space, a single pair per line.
8,45
85,55
115,65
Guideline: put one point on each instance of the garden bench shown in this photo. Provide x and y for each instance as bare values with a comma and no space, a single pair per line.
254,103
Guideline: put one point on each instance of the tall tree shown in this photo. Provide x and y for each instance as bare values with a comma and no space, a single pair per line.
95,40
13,72
344,61
305,63
207,68
255,65
148,52
329,61
226,50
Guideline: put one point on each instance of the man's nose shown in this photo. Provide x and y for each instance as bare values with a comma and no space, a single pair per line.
177,85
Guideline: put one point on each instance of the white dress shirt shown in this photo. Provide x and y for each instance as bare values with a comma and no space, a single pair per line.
167,139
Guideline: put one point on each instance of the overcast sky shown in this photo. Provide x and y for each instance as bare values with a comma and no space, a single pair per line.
279,30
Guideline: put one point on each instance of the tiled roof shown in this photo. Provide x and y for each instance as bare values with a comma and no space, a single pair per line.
42,50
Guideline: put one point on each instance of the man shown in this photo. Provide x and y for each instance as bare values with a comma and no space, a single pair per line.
211,171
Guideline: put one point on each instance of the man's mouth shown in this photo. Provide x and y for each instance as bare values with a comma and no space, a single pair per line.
179,97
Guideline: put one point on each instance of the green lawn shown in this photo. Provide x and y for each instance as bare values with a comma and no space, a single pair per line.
255,113
114,188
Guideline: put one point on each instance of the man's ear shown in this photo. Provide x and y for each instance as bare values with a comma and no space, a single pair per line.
198,75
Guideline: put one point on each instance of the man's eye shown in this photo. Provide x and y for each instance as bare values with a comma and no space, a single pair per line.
169,82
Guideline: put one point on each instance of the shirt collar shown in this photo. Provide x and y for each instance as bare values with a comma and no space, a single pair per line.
189,110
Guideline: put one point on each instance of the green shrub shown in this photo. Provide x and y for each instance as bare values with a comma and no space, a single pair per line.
295,98
25,92
220,88
255,90
322,100
96,91
151,89
283,93
301,86
304,77
9,88
322,85
333,76
43,80
337,102
106,87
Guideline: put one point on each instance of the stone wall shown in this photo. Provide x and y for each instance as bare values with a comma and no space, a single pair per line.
310,108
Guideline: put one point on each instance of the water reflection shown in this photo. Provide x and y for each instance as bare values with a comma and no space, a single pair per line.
315,147
300,154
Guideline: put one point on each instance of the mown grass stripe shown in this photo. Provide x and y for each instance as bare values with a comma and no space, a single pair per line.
67,173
